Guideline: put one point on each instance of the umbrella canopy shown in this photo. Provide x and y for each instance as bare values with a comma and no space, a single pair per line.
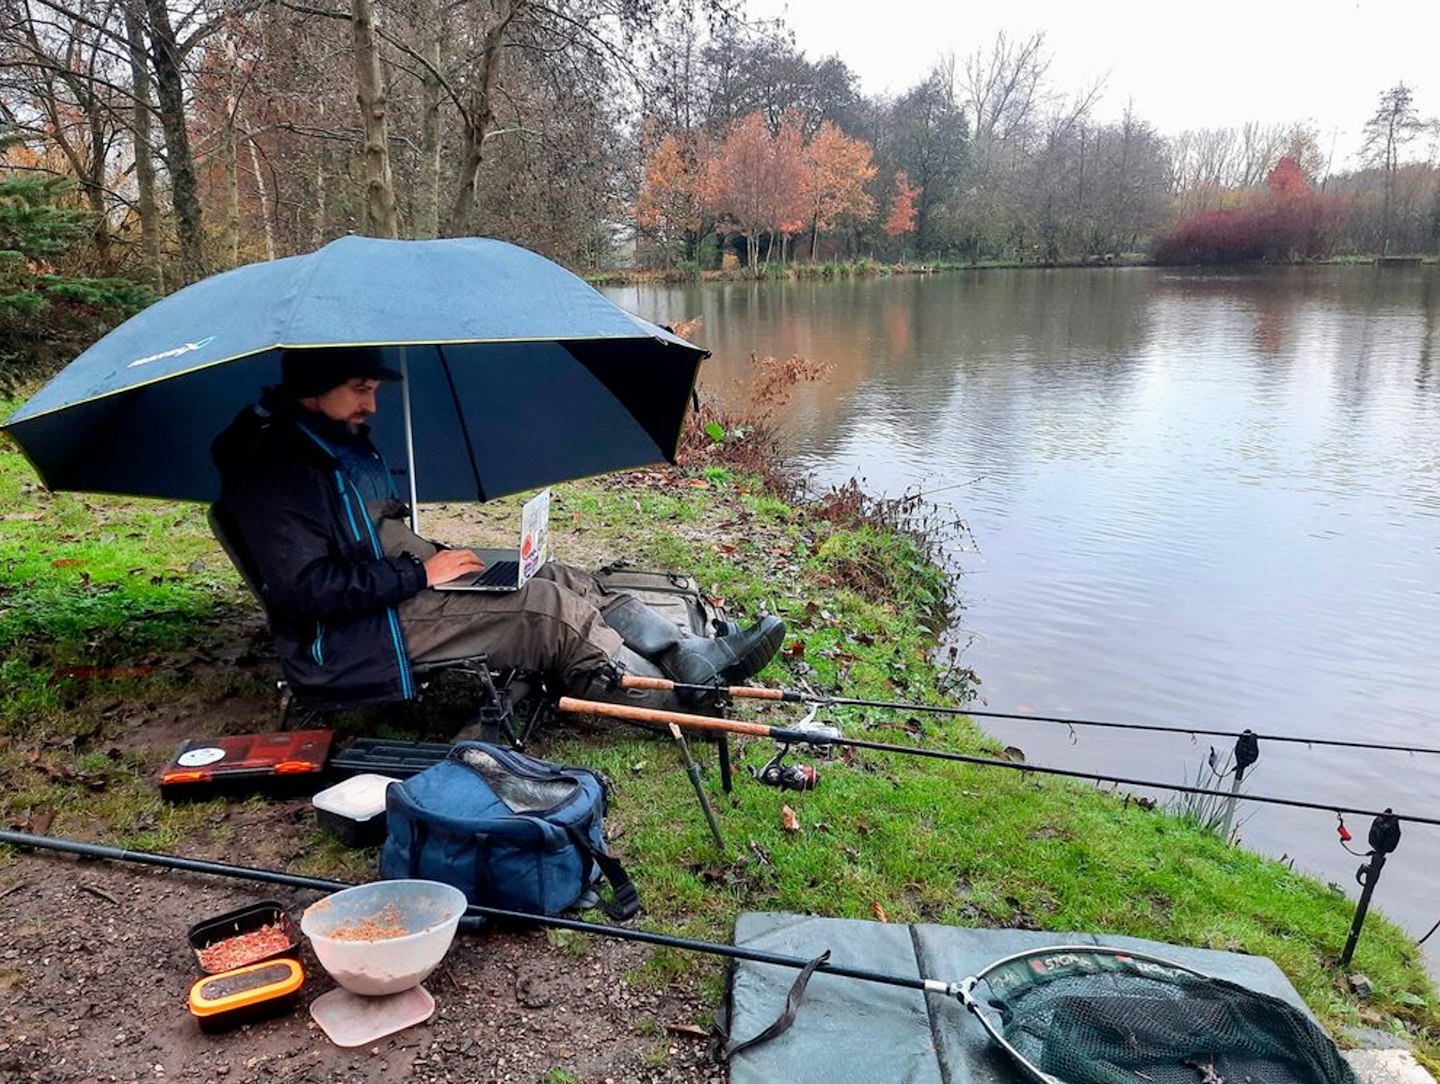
519,374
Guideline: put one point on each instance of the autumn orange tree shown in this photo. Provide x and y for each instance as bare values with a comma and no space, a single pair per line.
755,182
837,168
672,205
903,212
787,149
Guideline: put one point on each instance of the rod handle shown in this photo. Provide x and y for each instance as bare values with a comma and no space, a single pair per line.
665,685
654,715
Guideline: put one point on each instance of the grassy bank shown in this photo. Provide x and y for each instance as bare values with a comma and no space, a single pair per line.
123,628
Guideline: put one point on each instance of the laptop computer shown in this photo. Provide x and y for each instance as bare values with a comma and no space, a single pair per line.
508,569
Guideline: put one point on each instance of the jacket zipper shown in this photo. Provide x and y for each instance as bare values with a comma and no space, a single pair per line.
397,639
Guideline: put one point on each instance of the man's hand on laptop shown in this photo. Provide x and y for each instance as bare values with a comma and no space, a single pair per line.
449,565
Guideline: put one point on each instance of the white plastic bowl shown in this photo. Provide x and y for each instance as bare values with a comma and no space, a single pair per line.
386,936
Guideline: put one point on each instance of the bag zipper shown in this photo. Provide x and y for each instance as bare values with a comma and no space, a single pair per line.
522,767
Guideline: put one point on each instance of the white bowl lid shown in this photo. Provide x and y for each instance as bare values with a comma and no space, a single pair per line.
354,1020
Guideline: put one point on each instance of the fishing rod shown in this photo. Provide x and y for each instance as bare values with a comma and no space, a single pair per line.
797,696
823,734
476,912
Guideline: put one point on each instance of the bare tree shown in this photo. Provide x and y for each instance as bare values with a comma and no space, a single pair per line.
1006,90
1395,123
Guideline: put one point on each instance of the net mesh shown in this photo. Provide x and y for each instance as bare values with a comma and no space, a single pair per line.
1109,1018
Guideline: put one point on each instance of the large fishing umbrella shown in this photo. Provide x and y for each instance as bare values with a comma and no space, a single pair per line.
518,373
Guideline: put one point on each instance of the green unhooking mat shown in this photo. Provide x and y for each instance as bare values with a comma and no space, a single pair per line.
849,1031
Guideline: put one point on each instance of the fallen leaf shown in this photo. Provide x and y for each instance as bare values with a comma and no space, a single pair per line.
697,483
789,820
795,649
688,1029
879,912
66,562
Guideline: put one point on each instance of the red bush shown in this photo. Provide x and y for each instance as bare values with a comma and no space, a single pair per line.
1288,222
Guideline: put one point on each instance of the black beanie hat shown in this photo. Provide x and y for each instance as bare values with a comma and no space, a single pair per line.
315,370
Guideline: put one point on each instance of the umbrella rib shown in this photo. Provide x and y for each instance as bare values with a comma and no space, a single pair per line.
464,428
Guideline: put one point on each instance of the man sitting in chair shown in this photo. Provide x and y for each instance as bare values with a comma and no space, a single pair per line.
347,586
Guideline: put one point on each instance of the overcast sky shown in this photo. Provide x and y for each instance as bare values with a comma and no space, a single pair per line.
1215,63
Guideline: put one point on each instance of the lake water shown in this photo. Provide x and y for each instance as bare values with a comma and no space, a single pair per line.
1195,499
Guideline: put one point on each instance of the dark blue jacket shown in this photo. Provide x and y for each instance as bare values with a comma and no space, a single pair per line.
328,589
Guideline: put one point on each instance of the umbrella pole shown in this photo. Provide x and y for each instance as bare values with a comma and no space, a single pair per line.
409,442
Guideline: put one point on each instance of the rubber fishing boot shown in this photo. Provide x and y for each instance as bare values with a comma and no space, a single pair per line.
691,659
725,660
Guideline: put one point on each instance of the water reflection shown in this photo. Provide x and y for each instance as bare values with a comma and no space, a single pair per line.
1198,498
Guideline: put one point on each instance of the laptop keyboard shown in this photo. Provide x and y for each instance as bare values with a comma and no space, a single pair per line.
500,574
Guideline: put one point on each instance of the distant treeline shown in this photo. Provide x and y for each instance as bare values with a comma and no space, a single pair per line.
149,143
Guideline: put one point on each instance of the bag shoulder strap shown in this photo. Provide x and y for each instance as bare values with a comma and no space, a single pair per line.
624,899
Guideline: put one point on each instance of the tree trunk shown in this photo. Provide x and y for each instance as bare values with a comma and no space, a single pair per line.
380,220
1392,157
317,232
266,211
427,189
322,192
144,149
479,115
95,184
170,92
230,157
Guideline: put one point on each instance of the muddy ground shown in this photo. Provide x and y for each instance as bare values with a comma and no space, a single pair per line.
95,972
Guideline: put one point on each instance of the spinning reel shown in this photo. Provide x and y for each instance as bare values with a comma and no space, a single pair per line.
776,773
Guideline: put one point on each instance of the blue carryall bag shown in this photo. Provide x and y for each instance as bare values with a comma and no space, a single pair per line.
510,831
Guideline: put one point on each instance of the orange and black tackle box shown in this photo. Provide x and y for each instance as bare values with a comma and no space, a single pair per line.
287,761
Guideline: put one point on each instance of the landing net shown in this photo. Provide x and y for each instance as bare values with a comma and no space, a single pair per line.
1083,1015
